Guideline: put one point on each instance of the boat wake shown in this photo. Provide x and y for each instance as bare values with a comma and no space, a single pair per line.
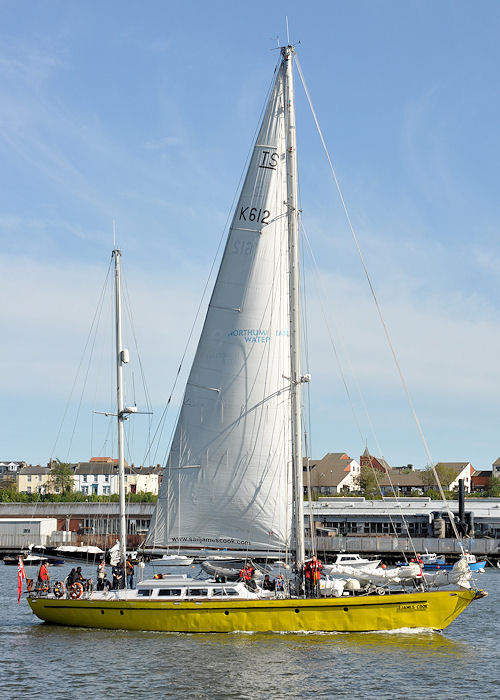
304,633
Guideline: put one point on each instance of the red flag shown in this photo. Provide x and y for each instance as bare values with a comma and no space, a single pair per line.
21,573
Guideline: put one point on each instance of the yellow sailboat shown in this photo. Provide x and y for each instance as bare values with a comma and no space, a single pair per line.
430,610
234,474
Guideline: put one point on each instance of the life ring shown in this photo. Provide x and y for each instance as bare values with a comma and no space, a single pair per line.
75,590
59,589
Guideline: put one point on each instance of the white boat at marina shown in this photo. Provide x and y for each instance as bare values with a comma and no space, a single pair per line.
356,561
32,560
81,550
172,560
432,559
434,562
233,478
89,553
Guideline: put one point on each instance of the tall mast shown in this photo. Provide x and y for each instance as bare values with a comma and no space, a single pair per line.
294,281
121,359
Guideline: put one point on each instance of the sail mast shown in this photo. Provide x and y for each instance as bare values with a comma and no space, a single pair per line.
293,252
121,358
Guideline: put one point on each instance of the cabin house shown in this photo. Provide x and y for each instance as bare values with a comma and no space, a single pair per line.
480,481
99,477
451,472
403,484
34,479
147,479
377,463
496,468
335,473
8,473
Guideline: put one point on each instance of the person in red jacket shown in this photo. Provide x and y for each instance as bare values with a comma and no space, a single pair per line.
247,575
43,576
312,575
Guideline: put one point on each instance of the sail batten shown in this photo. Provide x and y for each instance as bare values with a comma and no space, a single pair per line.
235,416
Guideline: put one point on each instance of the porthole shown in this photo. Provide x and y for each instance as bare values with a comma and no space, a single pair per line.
226,612
102,612
297,610
121,612
346,609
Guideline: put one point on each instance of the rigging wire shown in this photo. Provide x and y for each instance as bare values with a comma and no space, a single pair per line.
379,310
322,296
130,317
87,342
306,419
104,370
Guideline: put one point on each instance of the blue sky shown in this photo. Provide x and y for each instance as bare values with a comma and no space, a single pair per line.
143,113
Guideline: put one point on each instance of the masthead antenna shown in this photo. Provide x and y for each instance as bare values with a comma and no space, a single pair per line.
287,32
114,234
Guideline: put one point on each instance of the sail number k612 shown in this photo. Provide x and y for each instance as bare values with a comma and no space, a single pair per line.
261,216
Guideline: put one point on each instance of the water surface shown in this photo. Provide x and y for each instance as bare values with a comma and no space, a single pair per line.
39,660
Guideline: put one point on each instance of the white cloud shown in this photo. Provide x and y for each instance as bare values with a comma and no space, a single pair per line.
162,143
486,260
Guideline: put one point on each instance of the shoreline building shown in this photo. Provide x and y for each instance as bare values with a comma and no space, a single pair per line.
335,473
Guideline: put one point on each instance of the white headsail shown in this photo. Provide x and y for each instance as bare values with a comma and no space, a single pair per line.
227,481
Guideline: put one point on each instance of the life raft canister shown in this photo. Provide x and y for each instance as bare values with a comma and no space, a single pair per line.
75,590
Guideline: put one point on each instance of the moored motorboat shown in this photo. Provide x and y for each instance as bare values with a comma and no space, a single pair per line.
354,560
430,561
172,560
439,562
32,560
86,553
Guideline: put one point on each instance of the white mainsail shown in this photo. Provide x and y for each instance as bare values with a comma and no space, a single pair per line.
227,481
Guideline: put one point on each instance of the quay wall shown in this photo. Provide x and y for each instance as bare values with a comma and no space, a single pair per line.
97,523
390,548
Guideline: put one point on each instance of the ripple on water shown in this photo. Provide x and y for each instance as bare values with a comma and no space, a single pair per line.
62,663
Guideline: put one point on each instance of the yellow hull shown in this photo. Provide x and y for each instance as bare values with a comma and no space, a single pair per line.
433,610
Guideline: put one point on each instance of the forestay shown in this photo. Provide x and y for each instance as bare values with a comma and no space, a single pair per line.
227,481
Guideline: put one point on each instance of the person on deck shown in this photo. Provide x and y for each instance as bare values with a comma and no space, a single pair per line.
118,580
101,575
267,584
312,574
279,586
71,578
43,575
129,570
247,575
